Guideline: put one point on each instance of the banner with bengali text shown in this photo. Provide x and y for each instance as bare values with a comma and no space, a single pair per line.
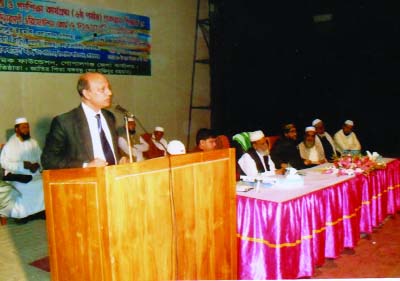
48,36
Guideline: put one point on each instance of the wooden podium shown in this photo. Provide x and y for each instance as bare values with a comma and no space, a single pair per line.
167,218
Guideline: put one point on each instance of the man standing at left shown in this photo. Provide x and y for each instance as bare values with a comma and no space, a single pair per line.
20,159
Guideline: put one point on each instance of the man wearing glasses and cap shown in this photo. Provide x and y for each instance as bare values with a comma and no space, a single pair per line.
257,160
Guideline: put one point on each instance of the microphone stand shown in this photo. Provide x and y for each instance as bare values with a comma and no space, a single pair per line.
128,138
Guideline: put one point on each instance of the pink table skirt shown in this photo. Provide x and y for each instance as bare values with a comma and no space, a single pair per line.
288,239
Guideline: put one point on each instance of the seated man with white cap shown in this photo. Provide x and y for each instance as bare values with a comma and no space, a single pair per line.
20,159
257,160
311,151
157,144
346,140
325,139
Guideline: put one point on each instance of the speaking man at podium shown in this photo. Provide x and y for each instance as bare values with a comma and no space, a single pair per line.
86,136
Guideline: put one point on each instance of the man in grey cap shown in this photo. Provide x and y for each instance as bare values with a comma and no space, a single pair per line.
346,140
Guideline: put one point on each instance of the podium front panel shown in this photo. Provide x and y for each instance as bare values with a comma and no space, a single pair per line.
165,218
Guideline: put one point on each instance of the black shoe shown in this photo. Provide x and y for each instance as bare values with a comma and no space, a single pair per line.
42,215
22,220
39,216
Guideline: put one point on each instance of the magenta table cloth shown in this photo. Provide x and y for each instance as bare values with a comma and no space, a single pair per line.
285,232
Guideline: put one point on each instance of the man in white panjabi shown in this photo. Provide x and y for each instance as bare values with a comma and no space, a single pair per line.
311,151
346,140
257,159
20,156
325,139
137,147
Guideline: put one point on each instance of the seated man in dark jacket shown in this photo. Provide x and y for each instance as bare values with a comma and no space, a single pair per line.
285,152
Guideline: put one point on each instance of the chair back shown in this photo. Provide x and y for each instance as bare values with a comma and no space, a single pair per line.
272,140
222,142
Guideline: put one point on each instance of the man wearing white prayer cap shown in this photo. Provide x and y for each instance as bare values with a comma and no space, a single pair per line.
156,142
311,151
346,140
20,158
20,120
349,122
257,160
325,139
137,148
176,147
316,121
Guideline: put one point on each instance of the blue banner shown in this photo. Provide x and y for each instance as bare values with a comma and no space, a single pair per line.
46,36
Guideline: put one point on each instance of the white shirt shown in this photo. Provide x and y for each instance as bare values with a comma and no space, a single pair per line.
16,151
349,142
249,167
313,154
329,139
94,132
137,149
161,144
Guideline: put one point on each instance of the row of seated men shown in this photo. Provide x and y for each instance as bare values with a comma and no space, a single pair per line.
256,155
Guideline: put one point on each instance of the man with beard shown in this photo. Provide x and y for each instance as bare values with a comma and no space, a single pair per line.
325,139
257,160
311,151
346,140
285,152
137,148
156,143
20,159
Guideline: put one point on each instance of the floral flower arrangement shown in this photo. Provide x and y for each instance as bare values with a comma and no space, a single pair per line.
355,164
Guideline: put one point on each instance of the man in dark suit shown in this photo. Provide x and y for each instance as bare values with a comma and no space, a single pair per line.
85,136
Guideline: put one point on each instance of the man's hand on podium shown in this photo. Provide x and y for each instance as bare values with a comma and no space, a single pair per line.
97,162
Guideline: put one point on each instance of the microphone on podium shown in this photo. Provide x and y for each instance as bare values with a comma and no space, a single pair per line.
124,111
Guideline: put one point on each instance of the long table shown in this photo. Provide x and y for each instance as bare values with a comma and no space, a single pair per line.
284,232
